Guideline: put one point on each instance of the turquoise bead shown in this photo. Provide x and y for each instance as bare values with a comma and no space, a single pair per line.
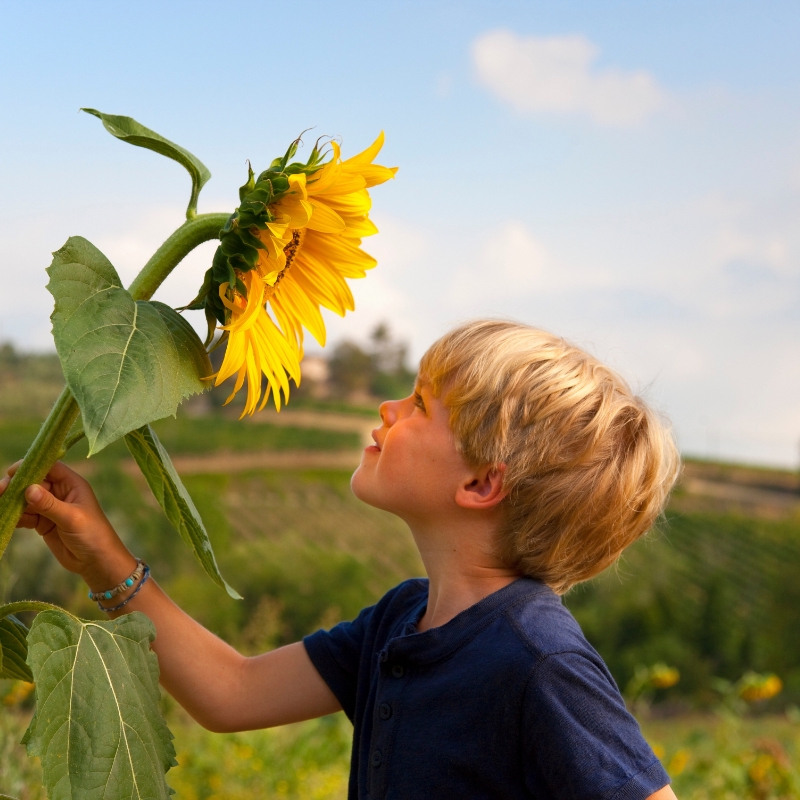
129,582
90,596
107,595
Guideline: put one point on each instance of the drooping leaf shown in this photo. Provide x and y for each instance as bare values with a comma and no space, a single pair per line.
13,641
166,485
7,797
14,650
126,362
97,727
129,130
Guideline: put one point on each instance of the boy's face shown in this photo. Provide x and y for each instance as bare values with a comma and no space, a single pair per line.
413,469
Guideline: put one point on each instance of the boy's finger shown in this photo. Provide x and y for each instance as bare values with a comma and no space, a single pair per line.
13,468
4,484
42,502
28,520
60,472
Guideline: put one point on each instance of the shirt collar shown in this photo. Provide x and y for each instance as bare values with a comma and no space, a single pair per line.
435,644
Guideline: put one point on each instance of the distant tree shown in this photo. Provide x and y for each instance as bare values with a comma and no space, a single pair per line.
380,369
351,369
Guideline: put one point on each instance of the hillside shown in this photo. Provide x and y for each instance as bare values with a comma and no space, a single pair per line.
713,591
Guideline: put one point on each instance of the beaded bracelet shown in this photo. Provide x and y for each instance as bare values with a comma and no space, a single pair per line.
145,576
124,586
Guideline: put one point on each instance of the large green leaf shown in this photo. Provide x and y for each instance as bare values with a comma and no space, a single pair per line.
129,130
97,727
158,470
127,363
14,650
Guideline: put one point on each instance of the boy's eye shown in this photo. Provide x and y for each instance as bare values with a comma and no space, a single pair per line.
418,401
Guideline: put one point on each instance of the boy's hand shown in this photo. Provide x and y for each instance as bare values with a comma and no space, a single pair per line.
65,513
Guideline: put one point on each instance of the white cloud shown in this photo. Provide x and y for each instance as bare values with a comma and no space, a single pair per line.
512,262
541,74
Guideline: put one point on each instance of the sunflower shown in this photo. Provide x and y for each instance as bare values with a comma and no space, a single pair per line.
288,249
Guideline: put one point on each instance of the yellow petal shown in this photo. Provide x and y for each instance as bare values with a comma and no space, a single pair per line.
343,184
368,156
357,203
358,227
324,219
373,174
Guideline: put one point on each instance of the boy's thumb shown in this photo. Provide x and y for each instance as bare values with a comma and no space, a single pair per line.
42,502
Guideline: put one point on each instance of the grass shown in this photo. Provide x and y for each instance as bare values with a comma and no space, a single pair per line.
308,761
723,757
192,436
709,757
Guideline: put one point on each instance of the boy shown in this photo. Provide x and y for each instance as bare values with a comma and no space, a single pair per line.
522,466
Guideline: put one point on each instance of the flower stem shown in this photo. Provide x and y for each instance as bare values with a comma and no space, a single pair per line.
42,454
53,439
192,233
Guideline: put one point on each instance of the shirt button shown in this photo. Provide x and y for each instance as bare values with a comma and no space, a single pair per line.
398,671
377,758
384,711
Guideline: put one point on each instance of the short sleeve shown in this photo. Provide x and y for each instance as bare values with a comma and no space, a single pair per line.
579,741
336,654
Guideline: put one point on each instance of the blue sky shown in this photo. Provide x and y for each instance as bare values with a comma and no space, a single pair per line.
625,174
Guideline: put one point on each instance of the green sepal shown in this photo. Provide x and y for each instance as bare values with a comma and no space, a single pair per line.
176,502
250,185
240,247
129,130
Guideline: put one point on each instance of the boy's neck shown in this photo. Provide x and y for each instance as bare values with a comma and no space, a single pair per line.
462,569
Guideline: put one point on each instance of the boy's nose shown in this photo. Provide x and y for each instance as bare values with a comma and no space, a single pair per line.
388,412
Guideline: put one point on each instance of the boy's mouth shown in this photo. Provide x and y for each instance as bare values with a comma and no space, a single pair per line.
377,445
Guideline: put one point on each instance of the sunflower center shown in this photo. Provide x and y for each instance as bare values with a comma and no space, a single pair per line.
290,251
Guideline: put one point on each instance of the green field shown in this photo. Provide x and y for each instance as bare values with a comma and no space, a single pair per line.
713,592
708,758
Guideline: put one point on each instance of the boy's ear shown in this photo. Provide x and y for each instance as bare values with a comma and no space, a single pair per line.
483,490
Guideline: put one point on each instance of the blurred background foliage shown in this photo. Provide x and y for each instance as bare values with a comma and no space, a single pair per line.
707,598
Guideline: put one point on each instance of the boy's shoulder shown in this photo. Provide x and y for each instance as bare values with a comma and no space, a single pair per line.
543,624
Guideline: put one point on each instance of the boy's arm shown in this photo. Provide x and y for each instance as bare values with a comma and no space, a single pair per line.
663,794
220,688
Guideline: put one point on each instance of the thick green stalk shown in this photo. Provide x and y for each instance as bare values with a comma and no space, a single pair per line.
192,233
51,442
42,454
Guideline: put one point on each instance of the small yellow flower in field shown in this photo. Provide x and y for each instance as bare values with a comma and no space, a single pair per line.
282,787
760,768
662,676
677,764
754,687
20,692
244,751
288,249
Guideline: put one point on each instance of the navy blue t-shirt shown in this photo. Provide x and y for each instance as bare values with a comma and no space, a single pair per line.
506,700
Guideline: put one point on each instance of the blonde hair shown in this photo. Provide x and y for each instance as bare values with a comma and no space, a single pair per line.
588,464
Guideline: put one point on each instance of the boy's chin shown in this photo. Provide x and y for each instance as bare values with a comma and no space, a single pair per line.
361,488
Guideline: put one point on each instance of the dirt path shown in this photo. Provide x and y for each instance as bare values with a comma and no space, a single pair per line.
244,462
